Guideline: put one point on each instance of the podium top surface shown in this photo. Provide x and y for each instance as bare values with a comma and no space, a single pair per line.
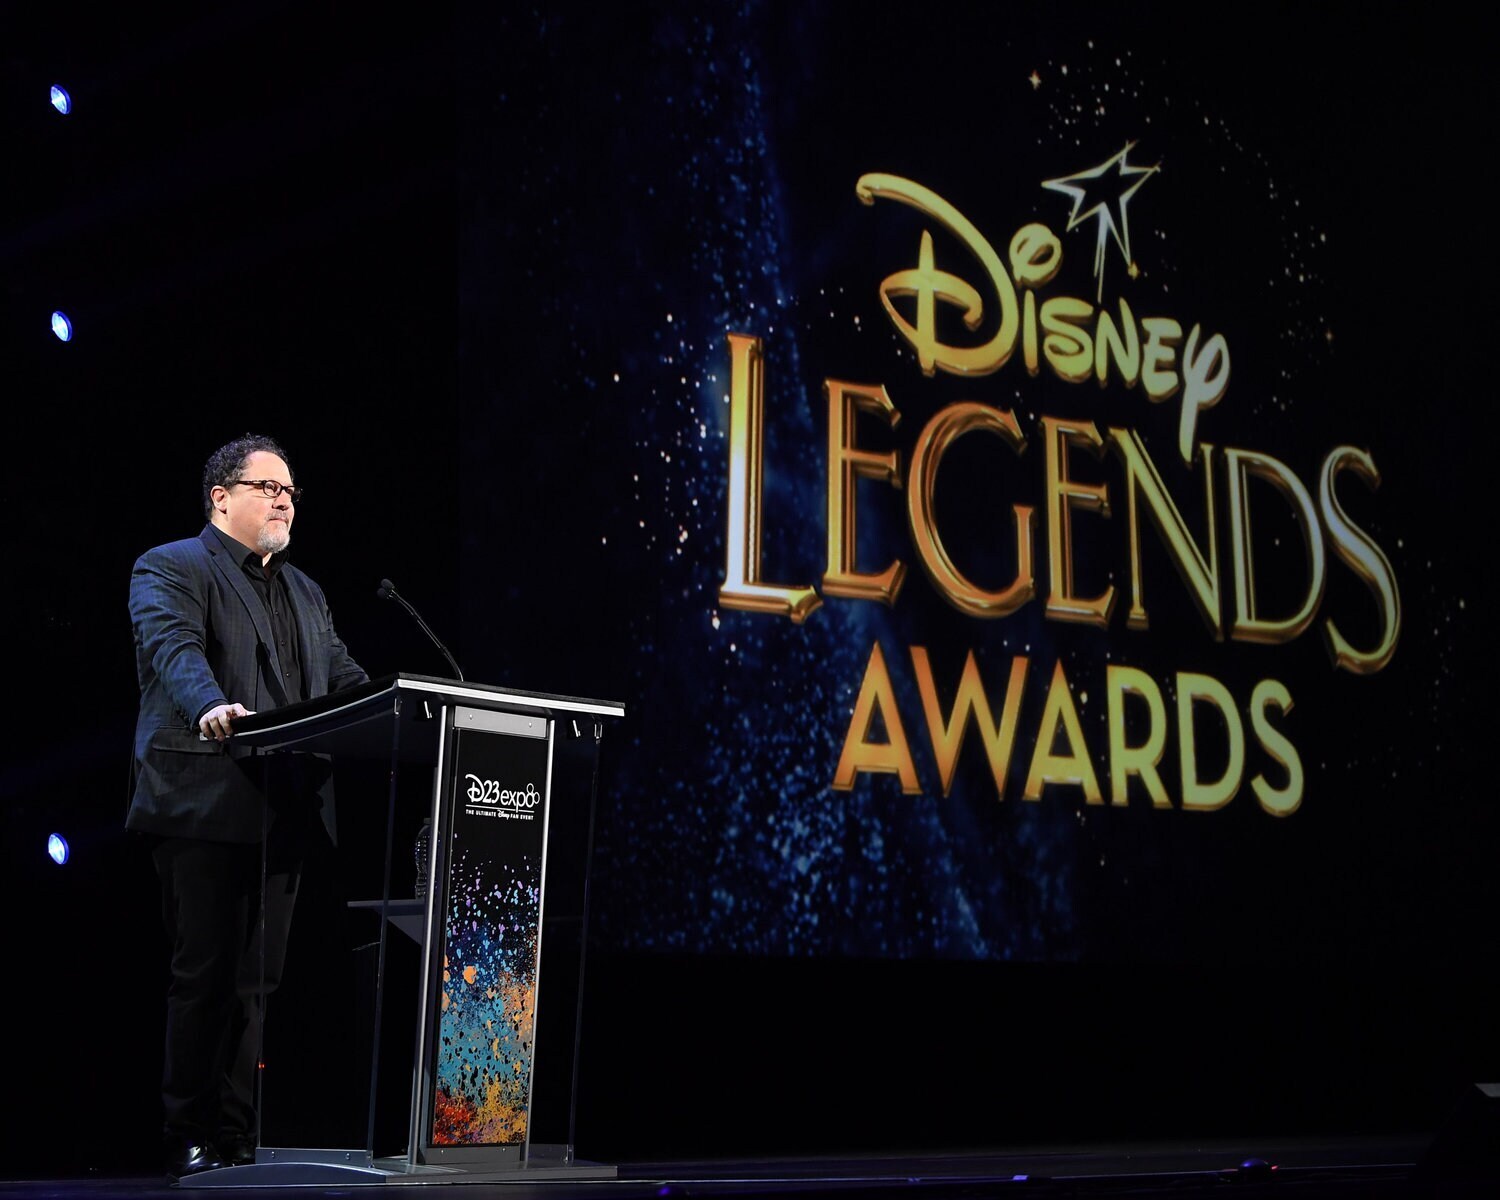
361,720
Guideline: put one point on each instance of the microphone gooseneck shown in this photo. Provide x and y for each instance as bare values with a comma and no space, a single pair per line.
387,591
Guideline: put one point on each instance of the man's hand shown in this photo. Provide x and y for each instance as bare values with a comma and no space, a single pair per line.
215,723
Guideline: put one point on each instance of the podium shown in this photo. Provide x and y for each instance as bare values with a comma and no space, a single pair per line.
501,930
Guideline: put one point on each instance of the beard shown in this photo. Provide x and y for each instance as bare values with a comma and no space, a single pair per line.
275,536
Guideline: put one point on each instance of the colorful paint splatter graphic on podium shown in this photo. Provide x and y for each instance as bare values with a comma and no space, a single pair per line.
484,1052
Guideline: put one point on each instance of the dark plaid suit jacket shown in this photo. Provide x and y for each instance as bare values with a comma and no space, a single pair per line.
202,637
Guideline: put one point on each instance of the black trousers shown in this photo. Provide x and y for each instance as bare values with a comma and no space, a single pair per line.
228,953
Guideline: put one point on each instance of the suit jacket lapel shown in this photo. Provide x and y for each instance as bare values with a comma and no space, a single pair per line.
303,607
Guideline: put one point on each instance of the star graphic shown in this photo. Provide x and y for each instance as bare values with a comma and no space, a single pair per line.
1109,207
1035,80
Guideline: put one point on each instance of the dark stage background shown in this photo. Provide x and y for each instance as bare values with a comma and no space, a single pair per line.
477,269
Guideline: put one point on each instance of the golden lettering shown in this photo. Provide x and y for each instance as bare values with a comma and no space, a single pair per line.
1197,795
742,587
1249,626
1157,375
1035,255
1109,344
1142,760
1365,559
1063,495
941,432
845,465
970,701
1199,573
1029,335
893,757
1207,376
927,284
1073,766
1067,347
1279,802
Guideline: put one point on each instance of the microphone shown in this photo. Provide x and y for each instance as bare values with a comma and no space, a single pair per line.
387,591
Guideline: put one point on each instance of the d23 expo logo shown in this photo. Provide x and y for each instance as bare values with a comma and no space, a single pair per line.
1157,355
487,798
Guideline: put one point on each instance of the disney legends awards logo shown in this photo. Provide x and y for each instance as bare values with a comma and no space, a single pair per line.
1021,311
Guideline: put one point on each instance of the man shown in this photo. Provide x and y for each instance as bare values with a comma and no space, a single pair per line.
224,627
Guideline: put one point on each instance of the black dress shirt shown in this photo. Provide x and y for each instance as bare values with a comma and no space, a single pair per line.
273,593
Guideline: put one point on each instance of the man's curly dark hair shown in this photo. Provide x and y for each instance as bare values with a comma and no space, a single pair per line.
225,464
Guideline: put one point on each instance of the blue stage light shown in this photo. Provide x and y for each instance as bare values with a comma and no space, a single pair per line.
57,848
62,327
61,100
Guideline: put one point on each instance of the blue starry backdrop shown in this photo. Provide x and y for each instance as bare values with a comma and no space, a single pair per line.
635,186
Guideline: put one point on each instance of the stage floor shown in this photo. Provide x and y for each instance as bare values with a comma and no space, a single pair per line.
1389,1167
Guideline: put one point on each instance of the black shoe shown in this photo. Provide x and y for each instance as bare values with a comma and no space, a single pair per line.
237,1148
184,1159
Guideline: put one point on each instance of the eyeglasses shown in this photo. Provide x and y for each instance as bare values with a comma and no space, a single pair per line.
274,488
